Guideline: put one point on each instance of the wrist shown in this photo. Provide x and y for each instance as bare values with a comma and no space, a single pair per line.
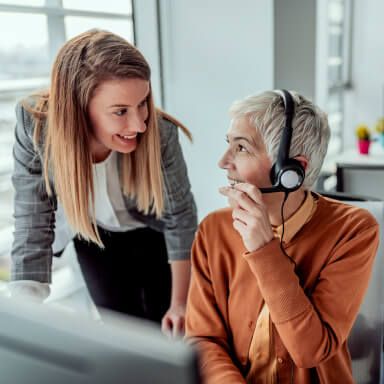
176,301
181,271
28,289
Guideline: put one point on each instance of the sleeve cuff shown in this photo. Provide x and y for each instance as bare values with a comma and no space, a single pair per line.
30,290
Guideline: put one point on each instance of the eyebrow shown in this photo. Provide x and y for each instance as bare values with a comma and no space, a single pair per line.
238,138
126,105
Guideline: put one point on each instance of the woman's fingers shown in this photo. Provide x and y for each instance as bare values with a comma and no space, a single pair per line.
166,326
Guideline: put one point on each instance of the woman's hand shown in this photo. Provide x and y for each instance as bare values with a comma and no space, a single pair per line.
250,215
173,322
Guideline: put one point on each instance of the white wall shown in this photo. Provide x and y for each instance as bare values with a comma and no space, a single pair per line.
214,52
365,101
294,46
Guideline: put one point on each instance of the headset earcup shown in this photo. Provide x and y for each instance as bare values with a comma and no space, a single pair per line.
292,175
299,169
289,177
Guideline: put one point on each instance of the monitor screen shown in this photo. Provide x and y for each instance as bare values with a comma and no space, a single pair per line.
41,345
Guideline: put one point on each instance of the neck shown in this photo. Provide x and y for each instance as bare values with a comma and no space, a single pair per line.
274,202
99,157
99,152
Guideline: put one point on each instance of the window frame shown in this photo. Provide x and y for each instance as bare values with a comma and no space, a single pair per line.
55,13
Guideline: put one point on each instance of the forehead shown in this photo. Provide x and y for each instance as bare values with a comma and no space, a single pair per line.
240,127
122,88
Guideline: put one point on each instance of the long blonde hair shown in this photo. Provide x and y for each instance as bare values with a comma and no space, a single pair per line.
63,132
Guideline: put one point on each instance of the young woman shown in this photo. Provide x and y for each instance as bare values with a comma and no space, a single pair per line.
97,162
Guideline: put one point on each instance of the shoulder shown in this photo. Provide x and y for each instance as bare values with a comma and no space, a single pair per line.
217,222
25,125
168,129
343,215
24,114
348,232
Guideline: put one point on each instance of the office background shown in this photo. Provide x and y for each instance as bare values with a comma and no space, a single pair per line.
204,55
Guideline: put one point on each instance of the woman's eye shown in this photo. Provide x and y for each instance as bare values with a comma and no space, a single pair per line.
120,112
144,102
240,148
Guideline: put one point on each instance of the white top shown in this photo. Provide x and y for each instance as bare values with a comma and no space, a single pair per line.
111,213
110,210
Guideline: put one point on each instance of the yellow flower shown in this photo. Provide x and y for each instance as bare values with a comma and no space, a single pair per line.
362,132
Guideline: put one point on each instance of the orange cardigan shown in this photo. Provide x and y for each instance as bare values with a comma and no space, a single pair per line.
312,309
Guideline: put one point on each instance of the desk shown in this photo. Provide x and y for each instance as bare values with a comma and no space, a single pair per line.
360,174
368,177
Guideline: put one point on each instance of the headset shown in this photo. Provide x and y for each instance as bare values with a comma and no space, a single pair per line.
287,174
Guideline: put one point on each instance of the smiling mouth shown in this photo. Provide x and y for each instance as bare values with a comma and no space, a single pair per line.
127,137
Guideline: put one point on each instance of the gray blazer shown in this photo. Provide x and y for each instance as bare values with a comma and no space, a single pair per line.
37,233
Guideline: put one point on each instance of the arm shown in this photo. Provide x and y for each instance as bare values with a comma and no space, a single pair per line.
34,211
180,221
205,326
181,274
314,327
179,216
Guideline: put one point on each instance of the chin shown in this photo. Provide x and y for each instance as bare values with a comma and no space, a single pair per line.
125,150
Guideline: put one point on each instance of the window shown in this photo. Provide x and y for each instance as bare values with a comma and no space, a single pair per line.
31,34
338,74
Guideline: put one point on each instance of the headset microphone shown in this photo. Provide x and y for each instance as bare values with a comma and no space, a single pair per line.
287,174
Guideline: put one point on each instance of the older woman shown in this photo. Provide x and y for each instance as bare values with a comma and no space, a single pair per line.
278,278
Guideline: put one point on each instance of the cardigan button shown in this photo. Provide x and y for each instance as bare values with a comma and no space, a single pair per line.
280,360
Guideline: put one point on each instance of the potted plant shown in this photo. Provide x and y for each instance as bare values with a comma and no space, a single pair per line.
379,128
364,138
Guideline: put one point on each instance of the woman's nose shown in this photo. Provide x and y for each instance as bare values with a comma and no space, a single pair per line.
225,161
136,124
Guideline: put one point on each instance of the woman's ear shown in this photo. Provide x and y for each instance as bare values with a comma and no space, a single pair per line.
303,160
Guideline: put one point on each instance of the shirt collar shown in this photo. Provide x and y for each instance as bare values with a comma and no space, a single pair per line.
293,225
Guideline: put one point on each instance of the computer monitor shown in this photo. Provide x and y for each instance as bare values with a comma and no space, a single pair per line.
39,345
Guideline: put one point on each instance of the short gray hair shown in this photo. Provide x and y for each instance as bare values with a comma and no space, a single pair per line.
310,130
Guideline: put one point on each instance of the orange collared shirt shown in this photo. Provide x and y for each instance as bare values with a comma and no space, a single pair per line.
312,309
261,352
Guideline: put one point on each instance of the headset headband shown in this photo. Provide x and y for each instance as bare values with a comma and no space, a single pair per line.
287,174
286,136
